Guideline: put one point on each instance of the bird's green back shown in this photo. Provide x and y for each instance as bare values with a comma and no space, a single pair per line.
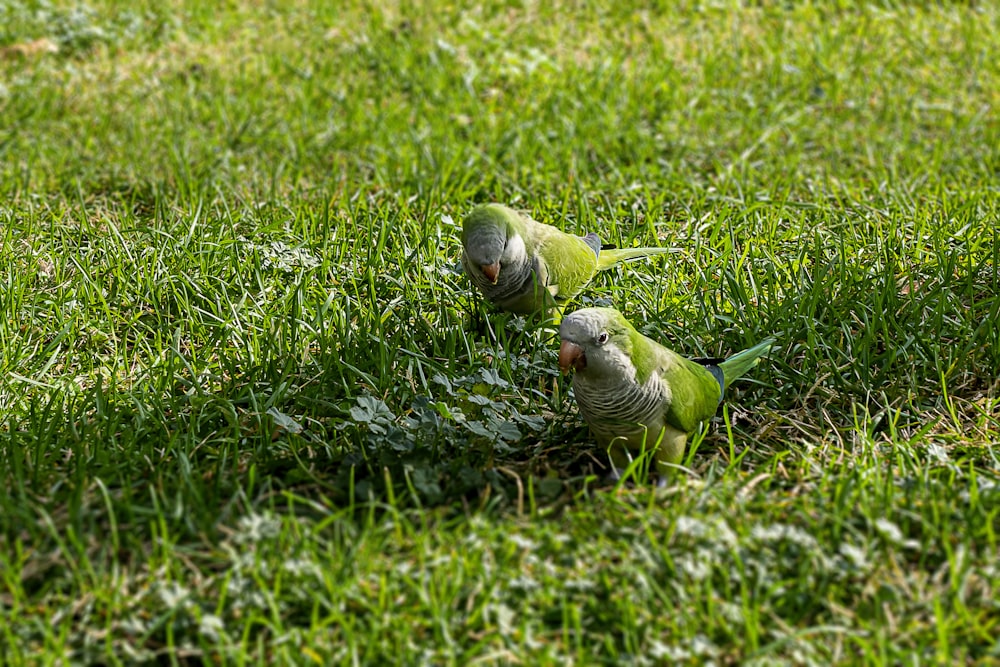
569,262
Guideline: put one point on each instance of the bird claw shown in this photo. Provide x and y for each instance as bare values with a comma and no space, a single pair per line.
616,476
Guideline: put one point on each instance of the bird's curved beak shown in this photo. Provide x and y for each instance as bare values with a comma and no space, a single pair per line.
571,355
491,271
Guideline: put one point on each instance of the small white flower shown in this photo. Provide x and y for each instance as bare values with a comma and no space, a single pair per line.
211,627
173,595
691,527
697,568
524,583
255,528
302,567
855,556
937,453
522,541
782,532
579,585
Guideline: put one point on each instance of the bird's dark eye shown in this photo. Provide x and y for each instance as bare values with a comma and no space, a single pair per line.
602,338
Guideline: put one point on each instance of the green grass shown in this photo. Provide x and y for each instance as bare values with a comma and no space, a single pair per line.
251,411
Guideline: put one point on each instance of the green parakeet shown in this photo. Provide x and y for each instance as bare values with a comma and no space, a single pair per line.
524,266
632,390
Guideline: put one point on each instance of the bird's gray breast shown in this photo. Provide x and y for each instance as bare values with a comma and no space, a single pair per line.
621,407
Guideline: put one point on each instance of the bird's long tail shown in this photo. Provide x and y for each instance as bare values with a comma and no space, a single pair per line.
611,256
738,364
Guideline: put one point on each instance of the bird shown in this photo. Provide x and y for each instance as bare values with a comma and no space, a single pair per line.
526,267
635,393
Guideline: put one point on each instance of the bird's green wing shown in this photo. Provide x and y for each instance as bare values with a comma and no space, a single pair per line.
694,391
694,394
569,263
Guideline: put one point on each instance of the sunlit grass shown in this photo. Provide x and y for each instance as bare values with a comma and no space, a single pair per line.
250,410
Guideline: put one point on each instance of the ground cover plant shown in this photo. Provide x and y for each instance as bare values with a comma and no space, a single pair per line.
250,409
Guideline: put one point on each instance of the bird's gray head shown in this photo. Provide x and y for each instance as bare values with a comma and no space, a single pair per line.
596,341
491,241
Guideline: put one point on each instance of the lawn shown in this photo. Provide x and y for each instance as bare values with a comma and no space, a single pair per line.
252,412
